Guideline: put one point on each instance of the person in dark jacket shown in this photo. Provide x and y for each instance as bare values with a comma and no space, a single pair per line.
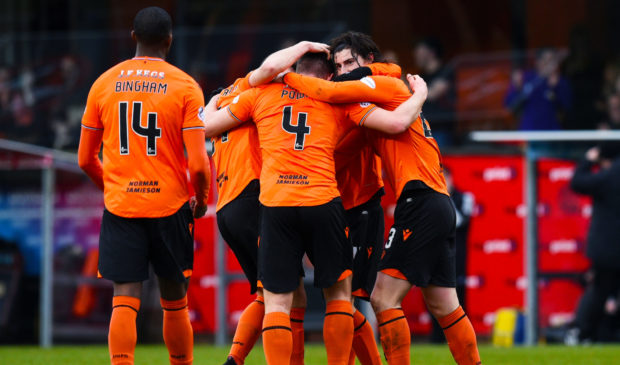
598,176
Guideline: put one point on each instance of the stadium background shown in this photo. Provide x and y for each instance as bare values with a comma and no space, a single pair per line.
52,51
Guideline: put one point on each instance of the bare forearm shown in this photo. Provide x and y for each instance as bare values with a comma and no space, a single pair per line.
282,60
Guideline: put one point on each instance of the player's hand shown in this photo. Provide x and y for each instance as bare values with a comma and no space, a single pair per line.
318,47
198,210
211,106
417,84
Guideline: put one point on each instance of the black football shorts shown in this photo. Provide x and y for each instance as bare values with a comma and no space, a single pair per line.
420,244
128,245
289,232
239,222
366,225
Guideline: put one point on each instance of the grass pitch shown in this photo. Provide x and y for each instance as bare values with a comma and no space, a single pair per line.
315,354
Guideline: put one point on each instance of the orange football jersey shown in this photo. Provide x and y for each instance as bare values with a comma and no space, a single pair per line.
358,168
143,105
298,136
236,153
408,156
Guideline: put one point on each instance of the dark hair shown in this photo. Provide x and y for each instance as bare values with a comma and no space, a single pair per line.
152,26
360,44
316,64
434,45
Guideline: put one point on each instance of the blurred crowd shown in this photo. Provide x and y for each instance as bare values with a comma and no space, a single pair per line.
42,103
544,89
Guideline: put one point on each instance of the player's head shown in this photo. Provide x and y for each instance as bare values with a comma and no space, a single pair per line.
152,28
351,50
315,64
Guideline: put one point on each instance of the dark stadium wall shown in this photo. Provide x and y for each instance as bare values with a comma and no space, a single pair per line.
489,26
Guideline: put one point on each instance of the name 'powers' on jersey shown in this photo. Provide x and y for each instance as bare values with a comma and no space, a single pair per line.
143,105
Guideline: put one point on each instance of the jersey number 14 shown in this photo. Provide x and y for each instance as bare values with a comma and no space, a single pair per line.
151,132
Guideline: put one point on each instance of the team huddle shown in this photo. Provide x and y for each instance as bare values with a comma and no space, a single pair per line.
299,156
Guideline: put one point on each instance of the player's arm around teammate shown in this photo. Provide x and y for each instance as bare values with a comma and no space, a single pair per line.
388,121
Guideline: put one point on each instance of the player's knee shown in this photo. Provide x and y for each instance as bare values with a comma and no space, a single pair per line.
380,302
172,290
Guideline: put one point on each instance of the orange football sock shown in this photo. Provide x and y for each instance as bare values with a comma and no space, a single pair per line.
122,336
364,343
277,338
178,333
461,337
248,330
297,326
352,357
338,331
395,336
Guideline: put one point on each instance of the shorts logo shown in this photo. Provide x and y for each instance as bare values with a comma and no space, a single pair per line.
236,99
346,231
369,251
191,228
406,234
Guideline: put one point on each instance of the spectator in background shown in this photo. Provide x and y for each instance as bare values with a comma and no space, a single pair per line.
464,203
603,248
390,55
583,70
440,104
540,96
613,113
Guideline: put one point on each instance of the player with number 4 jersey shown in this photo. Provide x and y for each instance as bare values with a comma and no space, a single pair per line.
420,249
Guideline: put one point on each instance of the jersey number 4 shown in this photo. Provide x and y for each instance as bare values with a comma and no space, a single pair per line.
300,130
151,132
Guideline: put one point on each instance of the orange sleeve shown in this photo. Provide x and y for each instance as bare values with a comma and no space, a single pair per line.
358,112
198,163
88,154
386,69
240,85
242,105
376,89
194,107
91,112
